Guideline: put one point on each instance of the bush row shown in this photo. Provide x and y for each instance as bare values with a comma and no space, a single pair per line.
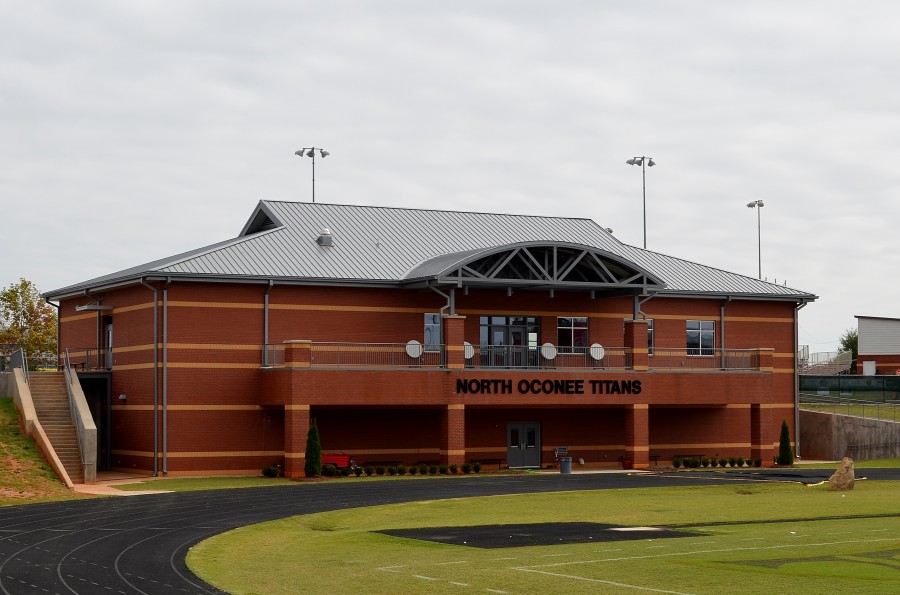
695,463
369,470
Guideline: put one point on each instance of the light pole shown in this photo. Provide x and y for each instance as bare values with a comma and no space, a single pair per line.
311,152
644,162
758,205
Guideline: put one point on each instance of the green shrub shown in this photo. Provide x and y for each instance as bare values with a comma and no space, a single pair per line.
357,471
467,468
476,467
695,463
369,470
740,461
453,469
270,471
713,462
379,469
313,464
329,470
392,470
757,462
722,462
676,462
413,469
785,452
432,470
423,469
704,462
401,470
442,469
731,461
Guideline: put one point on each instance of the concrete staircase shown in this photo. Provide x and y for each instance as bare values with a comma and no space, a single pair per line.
51,403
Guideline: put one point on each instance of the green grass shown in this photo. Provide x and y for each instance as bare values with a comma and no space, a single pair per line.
196,484
24,475
751,538
884,412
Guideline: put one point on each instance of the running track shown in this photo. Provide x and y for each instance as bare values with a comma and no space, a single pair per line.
138,544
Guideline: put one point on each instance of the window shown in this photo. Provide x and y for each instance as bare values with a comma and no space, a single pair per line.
701,337
432,332
509,341
572,334
650,338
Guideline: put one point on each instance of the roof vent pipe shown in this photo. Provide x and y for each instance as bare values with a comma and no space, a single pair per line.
325,237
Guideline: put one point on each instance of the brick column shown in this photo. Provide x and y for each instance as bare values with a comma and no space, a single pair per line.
636,340
766,360
296,427
637,435
453,434
297,354
762,434
454,337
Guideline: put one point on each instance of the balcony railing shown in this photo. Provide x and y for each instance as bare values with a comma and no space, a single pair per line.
703,358
400,355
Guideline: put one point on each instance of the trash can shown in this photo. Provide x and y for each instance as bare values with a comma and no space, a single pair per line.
565,465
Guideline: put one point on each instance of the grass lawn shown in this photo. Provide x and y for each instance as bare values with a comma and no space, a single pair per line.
746,538
24,475
884,412
196,484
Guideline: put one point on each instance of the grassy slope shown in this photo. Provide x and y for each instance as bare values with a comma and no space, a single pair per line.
24,475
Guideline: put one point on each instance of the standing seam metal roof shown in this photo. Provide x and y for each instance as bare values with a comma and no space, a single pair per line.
381,244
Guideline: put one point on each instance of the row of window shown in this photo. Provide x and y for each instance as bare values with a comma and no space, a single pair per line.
571,333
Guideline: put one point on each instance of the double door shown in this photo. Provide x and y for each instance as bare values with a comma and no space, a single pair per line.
523,445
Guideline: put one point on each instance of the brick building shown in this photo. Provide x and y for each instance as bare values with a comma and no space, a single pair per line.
420,335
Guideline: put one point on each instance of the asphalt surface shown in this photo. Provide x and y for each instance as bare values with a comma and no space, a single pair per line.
138,544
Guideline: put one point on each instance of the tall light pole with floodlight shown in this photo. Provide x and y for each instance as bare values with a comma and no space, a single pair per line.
311,152
644,162
758,205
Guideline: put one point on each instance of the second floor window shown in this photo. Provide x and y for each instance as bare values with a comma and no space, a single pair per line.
650,338
572,334
701,337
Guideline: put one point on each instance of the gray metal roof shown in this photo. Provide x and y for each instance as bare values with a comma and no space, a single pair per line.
385,245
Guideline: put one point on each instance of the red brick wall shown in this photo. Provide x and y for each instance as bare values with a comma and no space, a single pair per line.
226,414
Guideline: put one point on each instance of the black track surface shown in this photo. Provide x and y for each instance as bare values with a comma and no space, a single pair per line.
138,544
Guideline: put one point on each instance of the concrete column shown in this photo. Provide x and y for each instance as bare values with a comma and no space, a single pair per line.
636,340
454,337
296,427
453,434
637,435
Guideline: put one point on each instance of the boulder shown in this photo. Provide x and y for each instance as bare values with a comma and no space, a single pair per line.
843,478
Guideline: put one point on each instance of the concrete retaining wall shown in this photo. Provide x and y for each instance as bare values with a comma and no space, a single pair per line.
831,437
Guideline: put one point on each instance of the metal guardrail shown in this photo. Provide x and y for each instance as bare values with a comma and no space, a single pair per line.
375,355
398,355
82,358
886,411
665,358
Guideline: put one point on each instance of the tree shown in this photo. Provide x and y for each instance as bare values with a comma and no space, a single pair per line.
313,466
26,320
785,452
849,341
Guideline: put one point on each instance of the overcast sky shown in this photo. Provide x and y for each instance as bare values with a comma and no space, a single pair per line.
131,131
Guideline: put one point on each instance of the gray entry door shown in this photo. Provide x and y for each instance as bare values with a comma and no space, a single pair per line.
523,445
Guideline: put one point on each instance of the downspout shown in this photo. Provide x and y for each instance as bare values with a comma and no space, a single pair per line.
797,309
155,376
451,299
265,350
722,326
638,313
165,388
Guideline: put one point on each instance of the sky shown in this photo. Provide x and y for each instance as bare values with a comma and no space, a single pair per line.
132,131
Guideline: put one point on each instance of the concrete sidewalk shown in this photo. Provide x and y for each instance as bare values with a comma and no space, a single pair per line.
108,480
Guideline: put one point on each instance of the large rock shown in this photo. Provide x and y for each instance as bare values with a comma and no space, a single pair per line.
843,478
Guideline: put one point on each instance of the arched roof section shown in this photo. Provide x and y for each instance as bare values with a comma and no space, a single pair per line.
539,265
